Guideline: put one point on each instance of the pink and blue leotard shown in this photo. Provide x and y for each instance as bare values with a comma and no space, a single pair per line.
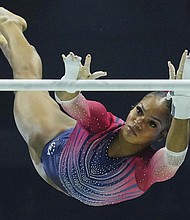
77,160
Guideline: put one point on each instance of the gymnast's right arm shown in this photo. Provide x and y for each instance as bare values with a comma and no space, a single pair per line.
92,115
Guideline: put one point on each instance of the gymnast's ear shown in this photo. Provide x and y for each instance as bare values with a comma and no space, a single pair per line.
162,136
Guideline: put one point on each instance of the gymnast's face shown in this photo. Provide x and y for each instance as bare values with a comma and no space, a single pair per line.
146,122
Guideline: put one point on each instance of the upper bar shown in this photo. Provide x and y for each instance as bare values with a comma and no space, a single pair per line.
94,85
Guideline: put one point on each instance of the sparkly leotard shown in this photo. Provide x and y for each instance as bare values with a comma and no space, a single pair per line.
84,170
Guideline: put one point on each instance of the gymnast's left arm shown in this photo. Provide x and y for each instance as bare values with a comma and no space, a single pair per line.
165,162
178,135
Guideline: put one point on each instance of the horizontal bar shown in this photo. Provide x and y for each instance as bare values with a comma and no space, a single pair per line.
94,85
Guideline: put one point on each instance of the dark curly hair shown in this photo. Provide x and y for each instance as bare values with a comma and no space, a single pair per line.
168,104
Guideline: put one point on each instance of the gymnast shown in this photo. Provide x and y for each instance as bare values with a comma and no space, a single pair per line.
87,152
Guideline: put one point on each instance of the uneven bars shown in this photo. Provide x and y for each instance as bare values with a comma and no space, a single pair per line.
94,85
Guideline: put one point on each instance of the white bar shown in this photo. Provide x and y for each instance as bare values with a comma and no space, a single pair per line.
94,85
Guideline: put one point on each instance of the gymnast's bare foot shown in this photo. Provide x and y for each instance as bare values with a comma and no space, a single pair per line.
7,17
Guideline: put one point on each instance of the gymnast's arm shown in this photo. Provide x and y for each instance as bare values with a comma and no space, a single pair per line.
92,115
178,135
165,162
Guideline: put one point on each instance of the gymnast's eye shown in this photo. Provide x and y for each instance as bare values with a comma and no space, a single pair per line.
152,124
139,110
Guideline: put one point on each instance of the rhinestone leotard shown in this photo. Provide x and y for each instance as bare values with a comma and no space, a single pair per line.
86,171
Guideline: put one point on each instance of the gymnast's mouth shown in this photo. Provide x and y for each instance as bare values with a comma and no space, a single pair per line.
130,129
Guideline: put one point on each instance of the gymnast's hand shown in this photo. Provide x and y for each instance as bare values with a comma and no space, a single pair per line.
180,99
182,72
84,72
75,70
72,66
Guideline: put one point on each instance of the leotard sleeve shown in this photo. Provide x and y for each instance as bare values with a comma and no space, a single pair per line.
160,167
92,115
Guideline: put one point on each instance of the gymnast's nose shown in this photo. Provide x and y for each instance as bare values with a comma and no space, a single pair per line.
138,122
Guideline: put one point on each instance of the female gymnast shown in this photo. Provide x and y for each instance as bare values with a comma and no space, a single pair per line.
88,153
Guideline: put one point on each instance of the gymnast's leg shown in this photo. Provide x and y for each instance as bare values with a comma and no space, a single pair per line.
37,115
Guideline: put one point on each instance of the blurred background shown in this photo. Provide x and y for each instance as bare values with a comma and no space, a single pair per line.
131,39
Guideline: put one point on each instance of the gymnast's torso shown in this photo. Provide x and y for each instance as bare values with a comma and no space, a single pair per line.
77,160
78,163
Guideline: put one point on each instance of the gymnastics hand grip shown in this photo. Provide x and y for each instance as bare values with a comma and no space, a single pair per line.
180,106
72,67
186,70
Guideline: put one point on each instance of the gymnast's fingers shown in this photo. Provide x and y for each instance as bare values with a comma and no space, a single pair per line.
181,65
87,63
97,74
63,56
171,70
